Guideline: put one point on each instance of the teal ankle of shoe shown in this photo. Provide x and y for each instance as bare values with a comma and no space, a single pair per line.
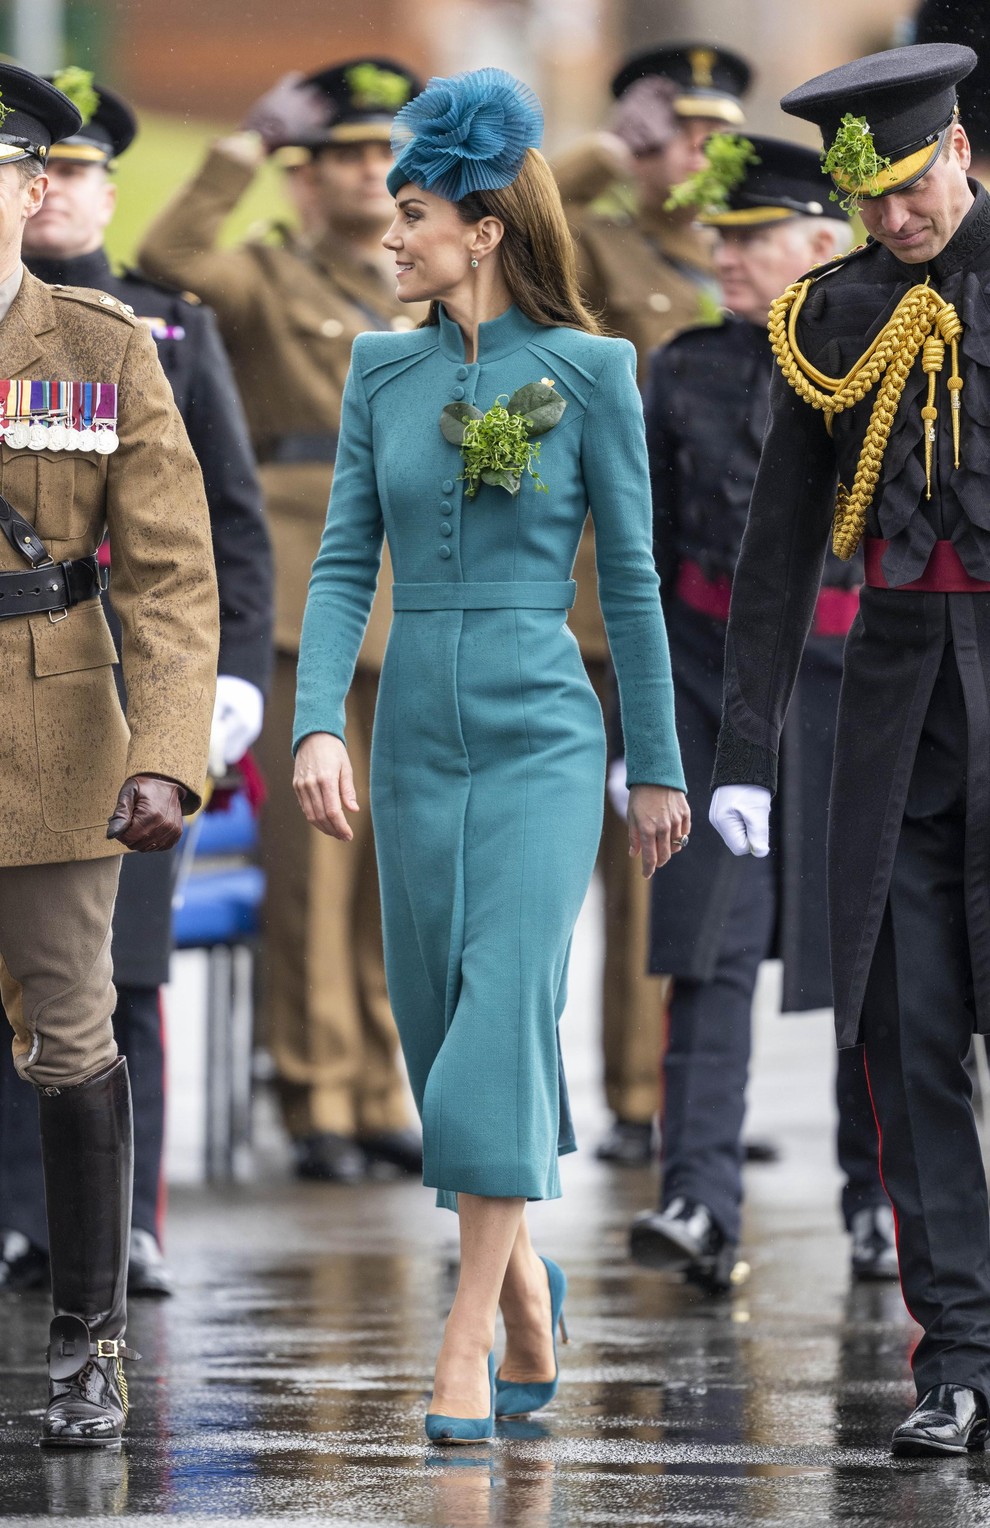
441,1429
514,1400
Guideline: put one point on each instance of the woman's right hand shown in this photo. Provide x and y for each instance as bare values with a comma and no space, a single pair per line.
324,784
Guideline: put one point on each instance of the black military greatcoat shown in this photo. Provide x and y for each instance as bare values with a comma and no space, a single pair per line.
898,640
706,404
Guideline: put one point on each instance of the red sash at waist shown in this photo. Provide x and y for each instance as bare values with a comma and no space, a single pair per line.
944,574
835,610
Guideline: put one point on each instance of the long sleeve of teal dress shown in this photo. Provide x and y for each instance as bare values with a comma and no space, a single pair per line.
488,757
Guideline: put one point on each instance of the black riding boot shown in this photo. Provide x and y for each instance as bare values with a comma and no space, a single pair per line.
88,1149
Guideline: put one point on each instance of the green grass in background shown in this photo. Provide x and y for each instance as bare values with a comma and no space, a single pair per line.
166,152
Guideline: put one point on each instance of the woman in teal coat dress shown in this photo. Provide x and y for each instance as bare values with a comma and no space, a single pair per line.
489,749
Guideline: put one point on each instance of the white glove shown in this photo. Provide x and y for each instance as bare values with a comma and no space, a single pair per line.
741,814
238,712
615,784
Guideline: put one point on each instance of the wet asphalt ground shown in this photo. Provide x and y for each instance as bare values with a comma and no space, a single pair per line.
287,1380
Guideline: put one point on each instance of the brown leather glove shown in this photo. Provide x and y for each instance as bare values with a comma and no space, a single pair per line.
148,814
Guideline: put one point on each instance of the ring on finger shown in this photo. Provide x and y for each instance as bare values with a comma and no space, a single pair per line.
681,843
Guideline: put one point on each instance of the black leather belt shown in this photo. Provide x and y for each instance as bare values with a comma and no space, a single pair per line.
55,587
293,450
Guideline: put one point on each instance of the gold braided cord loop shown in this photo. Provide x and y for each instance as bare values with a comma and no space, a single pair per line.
922,321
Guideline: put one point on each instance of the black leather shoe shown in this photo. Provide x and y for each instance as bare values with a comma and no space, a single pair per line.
400,1149
328,1158
147,1271
950,1419
23,1266
874,1249
683,1238
629,1143
87,1391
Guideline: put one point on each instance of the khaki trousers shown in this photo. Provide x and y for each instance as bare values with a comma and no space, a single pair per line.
330,1027
632,1000
56,977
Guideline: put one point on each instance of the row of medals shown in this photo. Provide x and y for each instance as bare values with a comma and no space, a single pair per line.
38,436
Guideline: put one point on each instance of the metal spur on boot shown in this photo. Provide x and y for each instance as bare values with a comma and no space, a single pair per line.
87,1388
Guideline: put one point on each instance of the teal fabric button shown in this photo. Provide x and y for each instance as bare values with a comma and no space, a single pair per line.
458,393
445,527
446,507
444,552
462,372
447,485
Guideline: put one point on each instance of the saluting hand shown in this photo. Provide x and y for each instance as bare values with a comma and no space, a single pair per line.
659,823
324,784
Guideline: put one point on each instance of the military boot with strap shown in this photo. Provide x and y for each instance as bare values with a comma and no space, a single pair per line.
87,1145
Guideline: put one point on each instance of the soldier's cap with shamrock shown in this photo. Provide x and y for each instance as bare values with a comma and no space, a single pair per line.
109,126
361,96
884,119
774,181
710,81
33,115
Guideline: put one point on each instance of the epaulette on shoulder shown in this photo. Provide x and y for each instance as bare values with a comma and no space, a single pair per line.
829,267
101,301
134,273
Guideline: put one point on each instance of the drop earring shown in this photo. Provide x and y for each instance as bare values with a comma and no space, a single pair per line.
474,265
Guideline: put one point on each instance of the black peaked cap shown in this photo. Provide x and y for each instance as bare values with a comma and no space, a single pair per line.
787,181
35,115
109,131
712,80
907,95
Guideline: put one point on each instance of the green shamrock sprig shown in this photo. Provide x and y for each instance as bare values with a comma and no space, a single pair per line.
372,87
77,84
498,447
5,111
728,157
853,155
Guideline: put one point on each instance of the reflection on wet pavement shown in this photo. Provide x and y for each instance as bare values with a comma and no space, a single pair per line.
288,1378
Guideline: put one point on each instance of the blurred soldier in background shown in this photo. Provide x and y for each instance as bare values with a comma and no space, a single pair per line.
718,917
289,310
649,271
63,245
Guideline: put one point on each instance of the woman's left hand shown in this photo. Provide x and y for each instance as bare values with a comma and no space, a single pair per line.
659,823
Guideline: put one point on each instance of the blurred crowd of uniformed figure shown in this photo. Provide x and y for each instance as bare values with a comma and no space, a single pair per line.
256,341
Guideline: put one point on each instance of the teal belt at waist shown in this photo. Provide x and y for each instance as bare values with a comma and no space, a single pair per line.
514,596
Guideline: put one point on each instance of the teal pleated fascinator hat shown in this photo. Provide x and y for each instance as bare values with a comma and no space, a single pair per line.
468,133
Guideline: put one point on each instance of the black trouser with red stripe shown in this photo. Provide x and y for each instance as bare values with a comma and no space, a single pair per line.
918,1026
137,1026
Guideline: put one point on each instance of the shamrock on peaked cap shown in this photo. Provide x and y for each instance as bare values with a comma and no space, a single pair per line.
710,80
109,126
33,115
961,21
464,134
780,181
907,99
362,96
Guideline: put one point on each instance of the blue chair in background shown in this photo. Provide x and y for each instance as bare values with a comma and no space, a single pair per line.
216,909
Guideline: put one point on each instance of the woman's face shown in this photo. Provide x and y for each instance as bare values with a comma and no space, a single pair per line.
433,248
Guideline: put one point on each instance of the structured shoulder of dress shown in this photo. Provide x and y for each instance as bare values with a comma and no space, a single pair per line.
592,352
101,301
375,346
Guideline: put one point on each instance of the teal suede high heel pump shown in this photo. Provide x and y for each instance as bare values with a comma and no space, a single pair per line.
514,1400
441,1429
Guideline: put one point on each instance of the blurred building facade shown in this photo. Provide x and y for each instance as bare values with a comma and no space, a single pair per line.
210,58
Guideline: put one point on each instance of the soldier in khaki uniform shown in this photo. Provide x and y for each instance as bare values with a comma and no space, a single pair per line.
289,311
91,441
649,272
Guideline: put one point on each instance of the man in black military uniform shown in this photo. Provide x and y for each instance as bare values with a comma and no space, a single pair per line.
716,919
876,353
63,245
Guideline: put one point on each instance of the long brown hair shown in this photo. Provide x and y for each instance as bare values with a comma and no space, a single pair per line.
537,249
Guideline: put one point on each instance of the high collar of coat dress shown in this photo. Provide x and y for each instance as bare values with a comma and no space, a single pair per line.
496,338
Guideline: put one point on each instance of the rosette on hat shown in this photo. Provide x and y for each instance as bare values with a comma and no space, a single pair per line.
464,134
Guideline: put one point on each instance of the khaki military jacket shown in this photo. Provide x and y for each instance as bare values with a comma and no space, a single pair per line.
65,748
289,314
646,279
